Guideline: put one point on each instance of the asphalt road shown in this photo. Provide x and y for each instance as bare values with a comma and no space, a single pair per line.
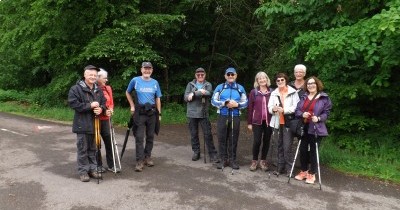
38,171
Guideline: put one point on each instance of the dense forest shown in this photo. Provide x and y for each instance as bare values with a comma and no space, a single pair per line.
352,46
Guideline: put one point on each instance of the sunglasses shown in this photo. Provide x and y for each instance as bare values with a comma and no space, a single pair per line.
230,74
200,75
280,80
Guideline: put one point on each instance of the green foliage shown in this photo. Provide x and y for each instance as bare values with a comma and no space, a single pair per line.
13,95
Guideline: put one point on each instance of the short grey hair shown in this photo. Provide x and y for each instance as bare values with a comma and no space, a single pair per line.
102,72
261,74
300,67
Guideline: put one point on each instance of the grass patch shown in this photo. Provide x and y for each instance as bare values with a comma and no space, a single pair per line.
374,166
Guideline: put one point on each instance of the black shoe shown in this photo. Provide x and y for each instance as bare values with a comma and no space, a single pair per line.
234,165
196,156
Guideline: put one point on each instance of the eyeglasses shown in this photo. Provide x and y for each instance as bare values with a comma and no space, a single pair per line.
280,80
311,83
230,74
200,75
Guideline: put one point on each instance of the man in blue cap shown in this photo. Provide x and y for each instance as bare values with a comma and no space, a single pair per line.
229,98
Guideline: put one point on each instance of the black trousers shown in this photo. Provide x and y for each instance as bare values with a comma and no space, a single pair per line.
261,134
228,136
208,138
106,136
145,124
308,151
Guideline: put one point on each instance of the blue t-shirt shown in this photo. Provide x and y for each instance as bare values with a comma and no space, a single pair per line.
146,90
199,85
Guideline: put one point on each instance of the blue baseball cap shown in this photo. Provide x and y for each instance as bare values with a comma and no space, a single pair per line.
230,70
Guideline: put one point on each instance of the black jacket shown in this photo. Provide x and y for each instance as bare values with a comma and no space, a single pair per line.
79,99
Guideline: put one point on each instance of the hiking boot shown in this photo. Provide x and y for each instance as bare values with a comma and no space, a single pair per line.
112,170
148,162
234,165
94,174
301,176
139,166
253,166
263,165
310,178
196,156
84,178
222,164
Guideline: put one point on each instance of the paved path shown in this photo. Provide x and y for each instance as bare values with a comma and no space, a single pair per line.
37,171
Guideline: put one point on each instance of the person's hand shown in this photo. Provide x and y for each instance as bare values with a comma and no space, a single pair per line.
109,112
306,115
97,110
203,92
190,96
132,109
280,109
232,104
250,127
94,104
314,119
275,108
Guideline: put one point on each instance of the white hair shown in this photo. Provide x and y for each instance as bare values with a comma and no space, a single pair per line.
102,72
300,67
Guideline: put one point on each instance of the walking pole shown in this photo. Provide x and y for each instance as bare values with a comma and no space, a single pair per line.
128,130
114,148
295,156
232,139
316,151
98,146
203,101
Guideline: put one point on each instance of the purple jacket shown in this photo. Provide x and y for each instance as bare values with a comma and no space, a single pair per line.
254,107
321,109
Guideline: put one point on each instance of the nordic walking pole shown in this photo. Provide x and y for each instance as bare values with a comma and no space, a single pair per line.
114,148
316,151
273,144
128,130
294,161
112,143
203,101
98,146
232,140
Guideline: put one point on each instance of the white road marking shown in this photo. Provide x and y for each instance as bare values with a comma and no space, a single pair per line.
21,134
43,127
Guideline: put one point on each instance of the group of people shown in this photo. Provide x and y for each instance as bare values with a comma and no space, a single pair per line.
267,109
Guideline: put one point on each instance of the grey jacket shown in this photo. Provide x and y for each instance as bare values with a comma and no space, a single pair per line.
198,107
